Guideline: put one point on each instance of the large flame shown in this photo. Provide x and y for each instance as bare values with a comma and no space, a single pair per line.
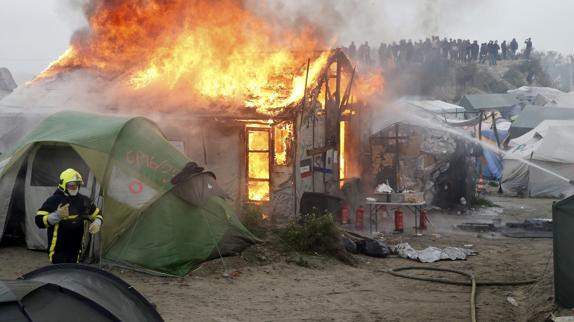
205,49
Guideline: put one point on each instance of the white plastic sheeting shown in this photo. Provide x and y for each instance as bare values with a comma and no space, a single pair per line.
432,254
549,164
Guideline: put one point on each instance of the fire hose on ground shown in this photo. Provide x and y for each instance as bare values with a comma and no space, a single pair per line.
472,281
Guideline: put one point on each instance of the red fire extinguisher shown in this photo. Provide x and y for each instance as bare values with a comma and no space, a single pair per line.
423,219
345,215
359,217
399,226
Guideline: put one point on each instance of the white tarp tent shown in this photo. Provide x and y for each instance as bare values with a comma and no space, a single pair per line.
566,100
547,150
530,93
447,110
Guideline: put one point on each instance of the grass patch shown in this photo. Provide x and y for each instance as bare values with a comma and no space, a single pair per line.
481,202
252,219
315,234
493,184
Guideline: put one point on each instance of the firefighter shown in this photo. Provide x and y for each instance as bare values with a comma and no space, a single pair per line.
64,214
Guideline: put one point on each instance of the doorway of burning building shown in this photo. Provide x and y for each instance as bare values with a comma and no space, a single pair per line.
259,160
386,154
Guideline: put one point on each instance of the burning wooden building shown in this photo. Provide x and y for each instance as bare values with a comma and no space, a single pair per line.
310,145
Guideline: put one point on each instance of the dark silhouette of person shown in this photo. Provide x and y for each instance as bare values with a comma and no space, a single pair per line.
513,47
483,53
474,50
352,50
528,49
504,48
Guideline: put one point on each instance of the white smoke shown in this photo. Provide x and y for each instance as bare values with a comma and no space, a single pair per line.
373,20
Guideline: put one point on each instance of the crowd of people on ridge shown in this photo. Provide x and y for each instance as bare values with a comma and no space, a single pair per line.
463,51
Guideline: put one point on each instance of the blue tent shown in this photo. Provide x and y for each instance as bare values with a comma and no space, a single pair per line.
492,160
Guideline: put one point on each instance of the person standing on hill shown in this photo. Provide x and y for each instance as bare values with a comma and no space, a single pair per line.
504,48
495,49
513,47
528,49
64,214
352,50
474,50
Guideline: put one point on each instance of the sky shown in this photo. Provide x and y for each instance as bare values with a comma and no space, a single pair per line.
34,33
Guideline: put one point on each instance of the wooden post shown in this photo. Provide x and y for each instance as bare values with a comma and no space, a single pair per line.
397,161
495,131
338,104
480,126
296,142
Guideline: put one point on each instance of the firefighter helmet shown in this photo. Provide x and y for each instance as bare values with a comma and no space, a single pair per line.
69,175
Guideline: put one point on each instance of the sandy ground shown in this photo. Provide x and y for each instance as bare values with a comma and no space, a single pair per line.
270,287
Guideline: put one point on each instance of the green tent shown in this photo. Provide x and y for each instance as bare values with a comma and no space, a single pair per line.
563,225
148,225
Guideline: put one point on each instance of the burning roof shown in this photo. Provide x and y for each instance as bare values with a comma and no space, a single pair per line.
183,55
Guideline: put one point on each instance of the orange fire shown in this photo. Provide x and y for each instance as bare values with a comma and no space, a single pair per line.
214,50
258,162
283,136
342,149
369,84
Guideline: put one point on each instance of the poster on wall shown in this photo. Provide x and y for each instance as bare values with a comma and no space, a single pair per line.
305,168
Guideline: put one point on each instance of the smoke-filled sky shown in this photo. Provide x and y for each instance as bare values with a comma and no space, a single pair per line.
35,32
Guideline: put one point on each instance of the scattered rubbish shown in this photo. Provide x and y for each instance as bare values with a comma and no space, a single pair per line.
526,234
512,301
480,227
383,188
231,275
376,248
350,245
532,224
358,244
529,228
378,235
432,254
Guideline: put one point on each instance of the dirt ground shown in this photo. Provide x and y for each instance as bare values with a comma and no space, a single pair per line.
270,286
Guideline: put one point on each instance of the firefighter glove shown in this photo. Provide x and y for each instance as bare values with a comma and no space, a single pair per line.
95,226
63,211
